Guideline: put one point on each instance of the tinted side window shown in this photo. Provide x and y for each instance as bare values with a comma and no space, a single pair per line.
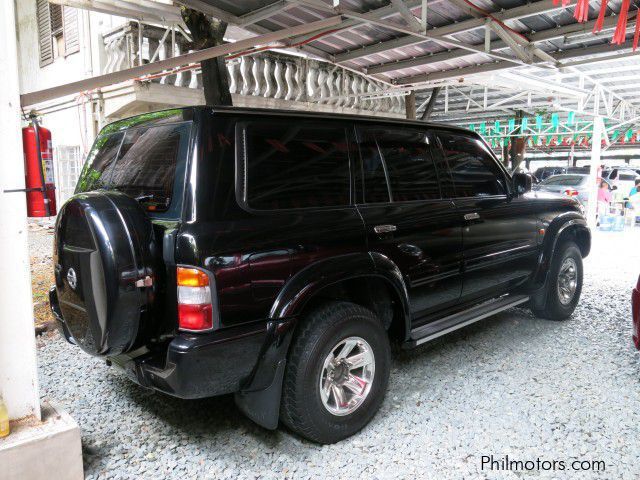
148,159
142,164
100,163
296,165
473,170
400,157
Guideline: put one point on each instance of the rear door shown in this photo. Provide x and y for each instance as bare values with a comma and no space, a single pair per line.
405,216
499,232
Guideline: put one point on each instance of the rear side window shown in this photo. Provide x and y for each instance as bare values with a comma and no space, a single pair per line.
296,165
142,162
473,170
397,165
100,162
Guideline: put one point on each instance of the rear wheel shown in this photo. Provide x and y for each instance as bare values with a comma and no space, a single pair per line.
559,298
337,372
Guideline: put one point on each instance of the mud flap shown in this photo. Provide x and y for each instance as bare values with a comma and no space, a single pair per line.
539,298
263,406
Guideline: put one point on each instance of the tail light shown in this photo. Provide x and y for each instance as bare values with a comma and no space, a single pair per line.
195,308
571,192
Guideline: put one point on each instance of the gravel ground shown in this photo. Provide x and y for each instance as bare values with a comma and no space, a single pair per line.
41,249
511,385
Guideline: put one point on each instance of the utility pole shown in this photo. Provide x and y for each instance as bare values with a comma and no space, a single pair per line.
18,371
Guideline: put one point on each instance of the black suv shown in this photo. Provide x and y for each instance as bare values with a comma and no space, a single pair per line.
275,255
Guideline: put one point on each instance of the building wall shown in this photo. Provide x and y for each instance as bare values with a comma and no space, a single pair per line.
70,120
32,77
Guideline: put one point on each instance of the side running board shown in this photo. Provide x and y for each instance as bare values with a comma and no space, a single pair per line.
458,320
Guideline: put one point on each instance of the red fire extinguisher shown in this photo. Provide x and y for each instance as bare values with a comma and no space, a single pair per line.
38,168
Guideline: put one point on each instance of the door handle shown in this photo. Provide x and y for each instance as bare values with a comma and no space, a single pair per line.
471,216
385,228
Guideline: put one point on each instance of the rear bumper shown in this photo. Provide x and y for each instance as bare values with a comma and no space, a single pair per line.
200,365
635,308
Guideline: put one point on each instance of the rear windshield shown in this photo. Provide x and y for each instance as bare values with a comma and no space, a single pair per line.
627,177
565,180
143,162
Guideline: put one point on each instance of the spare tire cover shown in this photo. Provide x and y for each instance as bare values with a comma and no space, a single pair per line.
103,246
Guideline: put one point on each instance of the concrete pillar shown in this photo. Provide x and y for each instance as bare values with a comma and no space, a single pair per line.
571,161
18,373
596,150
410,104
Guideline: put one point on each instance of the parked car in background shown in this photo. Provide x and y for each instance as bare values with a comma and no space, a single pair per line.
543,173
623,178
571,185
635,311
275,255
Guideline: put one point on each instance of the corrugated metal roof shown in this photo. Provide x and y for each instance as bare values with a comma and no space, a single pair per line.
374,50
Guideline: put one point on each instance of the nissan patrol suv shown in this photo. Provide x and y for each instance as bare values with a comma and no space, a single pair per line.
276,255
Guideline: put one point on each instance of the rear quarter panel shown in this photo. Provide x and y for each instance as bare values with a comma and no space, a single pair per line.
252,254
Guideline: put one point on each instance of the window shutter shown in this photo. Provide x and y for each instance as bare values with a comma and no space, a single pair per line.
56,19
44,33
71,36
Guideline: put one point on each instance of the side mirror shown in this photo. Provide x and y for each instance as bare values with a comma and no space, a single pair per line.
521,183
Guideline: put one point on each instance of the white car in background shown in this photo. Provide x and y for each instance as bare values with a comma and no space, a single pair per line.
623,178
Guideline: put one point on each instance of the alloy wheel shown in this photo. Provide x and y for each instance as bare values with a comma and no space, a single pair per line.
347,376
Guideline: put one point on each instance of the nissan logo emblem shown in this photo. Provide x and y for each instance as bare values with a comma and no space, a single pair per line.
72,279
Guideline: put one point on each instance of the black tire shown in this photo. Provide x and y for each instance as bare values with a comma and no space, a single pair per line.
548,303
302,409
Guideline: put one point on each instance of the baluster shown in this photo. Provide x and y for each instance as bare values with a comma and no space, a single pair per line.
299,81
394,103
232,68
348,80
355,88
373,103
322,84
288,78
121,55
245,65
162,55
277,73
363,103
312,76
338,88
257,72
111,56
330,92
268,90
179,77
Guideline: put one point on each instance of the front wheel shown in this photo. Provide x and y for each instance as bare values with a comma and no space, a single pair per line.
337,372
564,284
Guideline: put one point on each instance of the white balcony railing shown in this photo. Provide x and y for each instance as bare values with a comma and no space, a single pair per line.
267,75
